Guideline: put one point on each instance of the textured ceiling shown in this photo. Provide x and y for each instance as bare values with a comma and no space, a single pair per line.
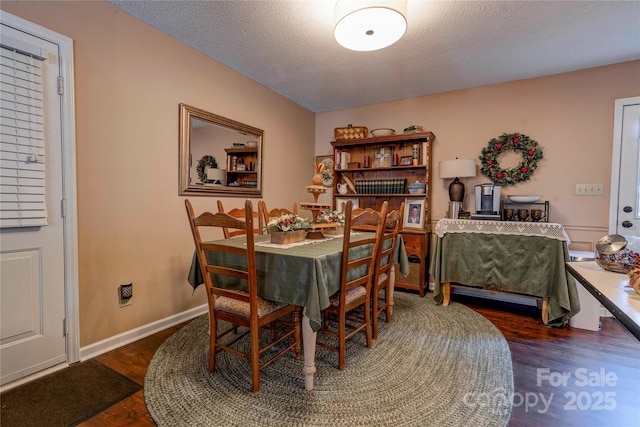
288,46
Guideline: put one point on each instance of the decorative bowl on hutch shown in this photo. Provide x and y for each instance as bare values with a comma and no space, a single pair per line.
417,187
383,132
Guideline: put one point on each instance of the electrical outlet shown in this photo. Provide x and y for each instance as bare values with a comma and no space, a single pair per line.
125,294
589,189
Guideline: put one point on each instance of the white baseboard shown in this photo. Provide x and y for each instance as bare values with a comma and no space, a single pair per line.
604,312
132,335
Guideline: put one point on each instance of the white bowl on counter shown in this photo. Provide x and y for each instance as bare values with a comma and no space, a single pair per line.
524,199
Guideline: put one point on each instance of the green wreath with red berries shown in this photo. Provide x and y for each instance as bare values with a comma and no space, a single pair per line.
531,154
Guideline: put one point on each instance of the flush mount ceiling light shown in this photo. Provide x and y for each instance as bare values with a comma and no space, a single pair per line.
366,25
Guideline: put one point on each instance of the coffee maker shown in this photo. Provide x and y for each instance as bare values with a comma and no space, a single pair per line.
488,198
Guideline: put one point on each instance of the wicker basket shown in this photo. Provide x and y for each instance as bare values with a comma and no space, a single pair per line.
351,132
287,237
336,231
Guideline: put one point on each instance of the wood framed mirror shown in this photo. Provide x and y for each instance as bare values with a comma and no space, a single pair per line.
219,156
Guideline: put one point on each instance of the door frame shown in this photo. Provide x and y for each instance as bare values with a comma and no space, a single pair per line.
615,158
69,204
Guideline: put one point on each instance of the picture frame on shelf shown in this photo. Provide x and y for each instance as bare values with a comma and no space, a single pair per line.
414,213
406,160
327,172
341,201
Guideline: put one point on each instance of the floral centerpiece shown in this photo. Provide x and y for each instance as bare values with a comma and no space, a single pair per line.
287,228
288,222
332,217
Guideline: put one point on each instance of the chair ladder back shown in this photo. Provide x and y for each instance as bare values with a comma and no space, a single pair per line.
228,271
224,248
347,304
382,276
389,240
219,219
266,215
225,221
240,214
353,264
236,312
366,220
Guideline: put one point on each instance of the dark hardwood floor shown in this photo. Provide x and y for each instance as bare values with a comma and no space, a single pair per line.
601,385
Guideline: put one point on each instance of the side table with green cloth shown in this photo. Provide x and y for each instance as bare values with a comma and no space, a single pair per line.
526,258
304,275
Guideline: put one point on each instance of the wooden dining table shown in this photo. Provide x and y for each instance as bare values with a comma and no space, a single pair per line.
304,274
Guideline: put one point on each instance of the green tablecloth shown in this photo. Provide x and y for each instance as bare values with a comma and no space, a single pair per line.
527,265
303,275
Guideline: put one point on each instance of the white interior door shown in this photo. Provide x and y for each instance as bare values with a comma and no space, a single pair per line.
32,263
625,179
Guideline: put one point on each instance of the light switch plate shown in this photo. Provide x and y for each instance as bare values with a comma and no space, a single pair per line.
589,189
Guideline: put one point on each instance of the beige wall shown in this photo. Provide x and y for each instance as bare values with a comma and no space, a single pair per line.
132,224
570,115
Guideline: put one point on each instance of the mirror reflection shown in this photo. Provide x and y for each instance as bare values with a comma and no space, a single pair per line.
218,155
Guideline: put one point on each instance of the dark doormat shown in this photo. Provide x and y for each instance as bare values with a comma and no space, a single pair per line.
67,397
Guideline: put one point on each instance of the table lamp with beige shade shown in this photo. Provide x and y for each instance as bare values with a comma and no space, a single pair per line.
456,169
216,176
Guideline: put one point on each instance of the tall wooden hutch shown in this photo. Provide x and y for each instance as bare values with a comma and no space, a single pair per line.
380,168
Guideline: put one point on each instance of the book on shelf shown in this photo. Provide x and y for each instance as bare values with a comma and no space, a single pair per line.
344,158
424,155
380,186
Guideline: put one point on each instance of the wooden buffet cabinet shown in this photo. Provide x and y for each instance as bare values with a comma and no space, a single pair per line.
386,177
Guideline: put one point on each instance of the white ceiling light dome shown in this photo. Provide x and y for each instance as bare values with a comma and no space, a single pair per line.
365,25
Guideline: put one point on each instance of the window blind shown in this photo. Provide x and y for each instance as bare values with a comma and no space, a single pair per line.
22,149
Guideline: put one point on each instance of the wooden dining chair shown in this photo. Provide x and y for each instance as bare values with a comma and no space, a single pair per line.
358,264
381,279
266,214
240,308
382,275
239,213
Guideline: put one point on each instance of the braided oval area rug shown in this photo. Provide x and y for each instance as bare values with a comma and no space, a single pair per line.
431,366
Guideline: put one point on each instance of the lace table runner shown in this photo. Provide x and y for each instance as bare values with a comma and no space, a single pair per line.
268,244
549,230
